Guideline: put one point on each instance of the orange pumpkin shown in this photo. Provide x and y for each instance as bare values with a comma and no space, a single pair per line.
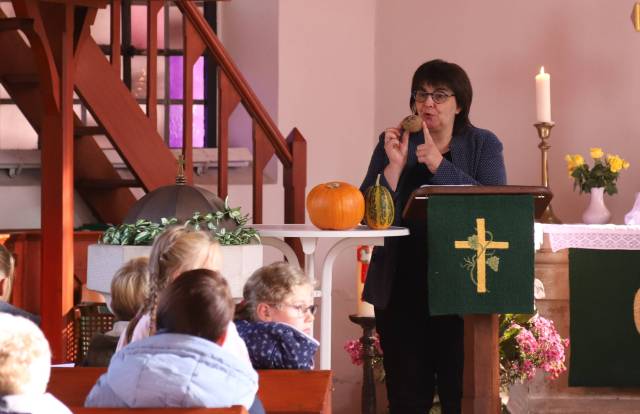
335,206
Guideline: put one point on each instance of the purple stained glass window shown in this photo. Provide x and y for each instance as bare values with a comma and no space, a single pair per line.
175,111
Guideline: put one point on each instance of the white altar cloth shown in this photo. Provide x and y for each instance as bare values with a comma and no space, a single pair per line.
591,236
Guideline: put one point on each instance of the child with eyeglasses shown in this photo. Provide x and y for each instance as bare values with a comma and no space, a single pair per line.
276,316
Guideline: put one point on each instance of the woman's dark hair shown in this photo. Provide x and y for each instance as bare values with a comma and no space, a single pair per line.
438,73
197,303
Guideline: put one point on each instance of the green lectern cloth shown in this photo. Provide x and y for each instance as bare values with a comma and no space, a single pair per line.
605,338
480,251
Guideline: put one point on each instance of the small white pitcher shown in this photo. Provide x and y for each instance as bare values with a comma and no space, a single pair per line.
633,216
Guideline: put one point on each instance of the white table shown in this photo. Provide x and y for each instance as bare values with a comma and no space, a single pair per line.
308,234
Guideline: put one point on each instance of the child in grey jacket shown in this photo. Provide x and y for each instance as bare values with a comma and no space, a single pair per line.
184,363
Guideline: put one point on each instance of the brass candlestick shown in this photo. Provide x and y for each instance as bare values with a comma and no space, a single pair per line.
544,131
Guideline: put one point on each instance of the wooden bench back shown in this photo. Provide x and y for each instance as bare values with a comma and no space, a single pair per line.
281,391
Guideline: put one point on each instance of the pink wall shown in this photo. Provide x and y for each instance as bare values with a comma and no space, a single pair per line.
588,46
343,74
326,89
249,30
323,58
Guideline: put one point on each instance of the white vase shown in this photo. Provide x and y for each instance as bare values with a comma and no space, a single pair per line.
596,212
633,216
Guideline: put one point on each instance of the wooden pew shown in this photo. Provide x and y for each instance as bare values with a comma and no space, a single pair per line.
295,391
281,391
236,409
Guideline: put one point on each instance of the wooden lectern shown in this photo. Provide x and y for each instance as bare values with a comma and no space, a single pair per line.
481,385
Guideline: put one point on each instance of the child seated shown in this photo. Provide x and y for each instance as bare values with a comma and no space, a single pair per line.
129,288
184,363
6,280
25,366
177,250
275,319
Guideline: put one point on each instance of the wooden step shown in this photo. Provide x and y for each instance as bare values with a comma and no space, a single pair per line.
15,23
98,4
88,131
24,79
107,183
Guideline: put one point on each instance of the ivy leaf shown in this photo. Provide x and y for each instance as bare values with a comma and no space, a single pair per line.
141,237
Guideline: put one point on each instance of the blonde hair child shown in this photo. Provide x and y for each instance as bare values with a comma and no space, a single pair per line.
25,366
272,290
130,288
177,250
276,317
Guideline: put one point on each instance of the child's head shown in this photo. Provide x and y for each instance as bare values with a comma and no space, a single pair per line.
180,248
177,250
280,292
129,288
6,273
197,303
25,357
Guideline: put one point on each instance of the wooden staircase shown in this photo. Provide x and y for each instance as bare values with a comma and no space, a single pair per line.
61,57
19,77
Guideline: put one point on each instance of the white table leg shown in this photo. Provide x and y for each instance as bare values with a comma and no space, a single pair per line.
283,247
325,307
309,248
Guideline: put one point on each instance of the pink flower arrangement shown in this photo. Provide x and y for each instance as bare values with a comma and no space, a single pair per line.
529,343
356,351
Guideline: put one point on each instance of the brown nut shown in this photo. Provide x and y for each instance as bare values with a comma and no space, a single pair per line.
412,123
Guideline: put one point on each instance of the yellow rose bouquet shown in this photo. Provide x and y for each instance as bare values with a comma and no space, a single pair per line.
604,172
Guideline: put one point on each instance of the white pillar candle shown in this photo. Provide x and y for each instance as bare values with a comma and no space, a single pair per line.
363,257
543,96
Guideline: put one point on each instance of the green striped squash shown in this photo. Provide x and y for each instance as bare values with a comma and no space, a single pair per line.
379,210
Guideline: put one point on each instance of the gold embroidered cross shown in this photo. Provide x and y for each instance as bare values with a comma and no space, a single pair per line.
480,248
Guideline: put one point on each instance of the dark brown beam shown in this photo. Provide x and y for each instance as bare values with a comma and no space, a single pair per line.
100,4
107,183
116,10
87,131
25,79
16,23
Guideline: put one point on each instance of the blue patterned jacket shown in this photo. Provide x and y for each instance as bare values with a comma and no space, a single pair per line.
274,345
475,158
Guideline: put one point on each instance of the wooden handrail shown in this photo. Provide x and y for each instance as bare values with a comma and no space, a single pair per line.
251,102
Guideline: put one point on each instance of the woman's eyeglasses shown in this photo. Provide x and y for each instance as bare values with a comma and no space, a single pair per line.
437,96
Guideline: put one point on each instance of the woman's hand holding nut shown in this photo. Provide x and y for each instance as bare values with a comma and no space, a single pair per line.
396,145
